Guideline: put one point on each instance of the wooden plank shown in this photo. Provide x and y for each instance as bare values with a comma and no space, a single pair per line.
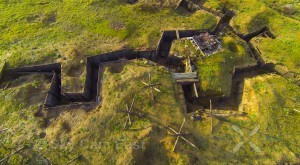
188,64
211,119
187,80
195,89
2,66
190,75
178,3
177,34
35,73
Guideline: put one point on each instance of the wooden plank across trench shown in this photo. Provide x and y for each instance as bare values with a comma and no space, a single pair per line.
2,66
185,77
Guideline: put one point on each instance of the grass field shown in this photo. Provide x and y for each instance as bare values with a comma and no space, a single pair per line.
68,31
94,134
215,71
99,135
254,14
36,32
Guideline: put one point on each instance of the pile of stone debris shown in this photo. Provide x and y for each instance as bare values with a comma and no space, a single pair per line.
207,43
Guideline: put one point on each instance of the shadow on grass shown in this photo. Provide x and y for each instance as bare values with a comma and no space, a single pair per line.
259,21
284,140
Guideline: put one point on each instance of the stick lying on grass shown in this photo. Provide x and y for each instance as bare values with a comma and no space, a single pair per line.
296,110
5,129
73,160
15,152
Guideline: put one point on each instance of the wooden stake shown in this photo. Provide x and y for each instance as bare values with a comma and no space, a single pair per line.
152,88
152,94
195,89
211,119
177,34
129,112
6,86
179,135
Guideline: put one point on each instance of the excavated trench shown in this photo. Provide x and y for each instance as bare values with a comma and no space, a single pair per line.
56,95
95,68
233,101
239,75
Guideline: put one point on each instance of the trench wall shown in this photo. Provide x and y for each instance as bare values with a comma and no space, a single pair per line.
56,67
94,67
54,94
167,37
192,6
2,68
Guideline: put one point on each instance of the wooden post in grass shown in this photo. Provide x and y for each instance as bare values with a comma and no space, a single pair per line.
6,86
2,67
211,119
180,135
152,88
195,89
129,113
15,152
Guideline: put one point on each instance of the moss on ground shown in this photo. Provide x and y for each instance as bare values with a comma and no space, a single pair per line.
2,65
73,71
184,48
254,14
215,71
36,32
99,134
19,102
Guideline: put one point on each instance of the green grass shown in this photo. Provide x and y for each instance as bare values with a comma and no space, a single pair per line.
35,32
18,103
2,65
95,134
184,48
44,32
254,14
215,71
276,112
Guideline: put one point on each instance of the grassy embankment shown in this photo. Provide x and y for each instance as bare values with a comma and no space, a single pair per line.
277,136
215,71
93,134
99,135
254,14
43,32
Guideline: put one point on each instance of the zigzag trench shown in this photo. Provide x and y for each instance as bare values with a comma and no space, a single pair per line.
94,67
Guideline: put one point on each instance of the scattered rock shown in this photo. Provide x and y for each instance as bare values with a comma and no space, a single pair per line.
289,9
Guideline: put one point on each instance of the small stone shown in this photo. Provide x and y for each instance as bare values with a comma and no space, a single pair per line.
288,9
